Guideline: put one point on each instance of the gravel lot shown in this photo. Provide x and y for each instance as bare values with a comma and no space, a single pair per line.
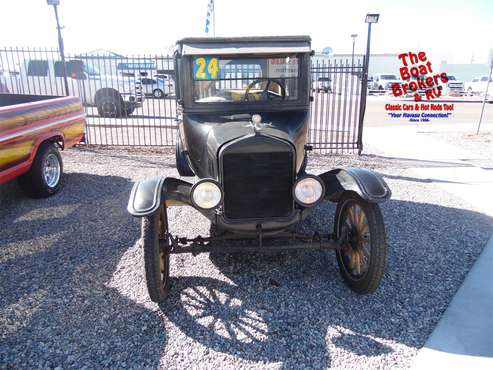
73,293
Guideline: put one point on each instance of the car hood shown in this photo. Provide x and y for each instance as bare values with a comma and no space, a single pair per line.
206,134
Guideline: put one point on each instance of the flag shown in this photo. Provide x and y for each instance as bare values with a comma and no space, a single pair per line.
210,12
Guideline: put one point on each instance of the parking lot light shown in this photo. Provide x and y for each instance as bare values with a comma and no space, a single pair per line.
372,18
55,3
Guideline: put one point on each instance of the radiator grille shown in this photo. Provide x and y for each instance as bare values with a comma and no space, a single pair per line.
258,185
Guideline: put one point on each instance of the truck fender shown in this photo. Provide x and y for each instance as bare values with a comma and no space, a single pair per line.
367,184
147,195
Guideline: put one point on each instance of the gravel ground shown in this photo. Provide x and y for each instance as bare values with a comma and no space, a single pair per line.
73,293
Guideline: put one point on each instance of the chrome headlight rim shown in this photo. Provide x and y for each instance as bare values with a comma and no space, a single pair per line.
201,181
309,205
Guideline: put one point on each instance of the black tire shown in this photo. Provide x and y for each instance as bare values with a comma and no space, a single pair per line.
181,162
36,182
128,111
366,280
110,105
156,259
158,93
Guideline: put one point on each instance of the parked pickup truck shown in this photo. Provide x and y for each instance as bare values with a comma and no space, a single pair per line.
33,129
453,87
112,95
477,86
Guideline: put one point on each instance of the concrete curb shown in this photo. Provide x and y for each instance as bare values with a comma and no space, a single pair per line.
463,338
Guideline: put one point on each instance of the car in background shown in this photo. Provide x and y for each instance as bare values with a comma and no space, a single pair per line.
453,87
158,86
477,86
322,84
112,95
383,82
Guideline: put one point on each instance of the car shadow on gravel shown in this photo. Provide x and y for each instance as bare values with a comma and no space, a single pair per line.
293,307
57,256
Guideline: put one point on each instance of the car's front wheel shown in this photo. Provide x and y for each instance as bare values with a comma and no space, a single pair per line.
363,255
44,177
156,254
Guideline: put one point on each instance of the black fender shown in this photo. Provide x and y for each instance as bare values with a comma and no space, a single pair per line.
148,195
367,184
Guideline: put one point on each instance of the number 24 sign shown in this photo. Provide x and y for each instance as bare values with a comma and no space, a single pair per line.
205,68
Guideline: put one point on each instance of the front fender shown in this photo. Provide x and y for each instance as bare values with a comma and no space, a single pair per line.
367,184
148,195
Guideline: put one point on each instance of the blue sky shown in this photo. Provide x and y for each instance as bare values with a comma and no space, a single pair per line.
450,30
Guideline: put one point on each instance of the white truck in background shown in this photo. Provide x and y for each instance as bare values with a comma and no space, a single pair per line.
453,87
382,82
477,86
114,96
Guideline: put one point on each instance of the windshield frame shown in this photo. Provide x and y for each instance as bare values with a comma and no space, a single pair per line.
186,81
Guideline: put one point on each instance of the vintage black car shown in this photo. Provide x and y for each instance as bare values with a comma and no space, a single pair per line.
244,110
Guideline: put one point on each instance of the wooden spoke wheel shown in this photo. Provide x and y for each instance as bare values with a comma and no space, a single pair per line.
363,254
156,254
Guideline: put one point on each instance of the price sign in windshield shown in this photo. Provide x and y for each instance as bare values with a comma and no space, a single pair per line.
205,68
283,67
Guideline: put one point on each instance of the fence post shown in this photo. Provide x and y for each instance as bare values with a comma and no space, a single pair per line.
362,103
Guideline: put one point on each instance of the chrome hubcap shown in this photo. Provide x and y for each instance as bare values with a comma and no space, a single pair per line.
51,170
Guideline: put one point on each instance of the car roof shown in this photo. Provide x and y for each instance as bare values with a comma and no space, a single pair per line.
243,45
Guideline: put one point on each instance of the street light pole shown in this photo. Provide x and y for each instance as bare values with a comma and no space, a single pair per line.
55,3
354,35
370,18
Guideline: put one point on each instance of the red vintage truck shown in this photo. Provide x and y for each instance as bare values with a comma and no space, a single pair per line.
33,130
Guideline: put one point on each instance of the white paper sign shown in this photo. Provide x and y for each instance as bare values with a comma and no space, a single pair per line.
283,67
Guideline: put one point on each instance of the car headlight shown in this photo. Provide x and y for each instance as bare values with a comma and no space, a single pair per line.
206,194
308,191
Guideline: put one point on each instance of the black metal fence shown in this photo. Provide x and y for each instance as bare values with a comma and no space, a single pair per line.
146,113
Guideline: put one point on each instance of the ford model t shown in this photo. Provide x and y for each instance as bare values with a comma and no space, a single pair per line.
244,110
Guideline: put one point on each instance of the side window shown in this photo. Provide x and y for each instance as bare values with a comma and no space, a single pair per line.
484,78
58,66
475,80
37,68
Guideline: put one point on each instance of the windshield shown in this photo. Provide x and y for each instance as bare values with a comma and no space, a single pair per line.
389,77
237,79
451,78
90,70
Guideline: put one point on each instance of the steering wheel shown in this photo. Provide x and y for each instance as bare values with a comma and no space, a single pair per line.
266,91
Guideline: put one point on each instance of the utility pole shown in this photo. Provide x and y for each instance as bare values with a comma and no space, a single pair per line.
55,4
354,35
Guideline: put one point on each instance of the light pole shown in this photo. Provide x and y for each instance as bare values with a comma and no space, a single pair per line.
486,91
353,36
55,3
370,18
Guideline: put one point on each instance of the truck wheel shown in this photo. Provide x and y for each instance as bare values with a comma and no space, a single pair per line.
156,254
44,177
109,105
363,256
128,111
158,94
